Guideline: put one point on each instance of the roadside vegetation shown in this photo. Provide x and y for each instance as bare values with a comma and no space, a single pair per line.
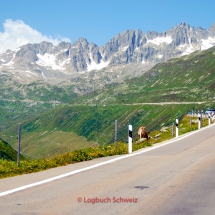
76,127
6,151
9,167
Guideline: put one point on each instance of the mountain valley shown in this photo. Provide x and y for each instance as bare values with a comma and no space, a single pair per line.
68,96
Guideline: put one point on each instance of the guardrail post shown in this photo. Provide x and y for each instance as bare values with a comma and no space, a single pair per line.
173,125
130,139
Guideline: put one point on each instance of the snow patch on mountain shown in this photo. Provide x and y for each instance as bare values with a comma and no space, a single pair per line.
124,48
188,51
159,40
43,74
208,43
49,60
62,64
143,62
10,63
160,56
95,66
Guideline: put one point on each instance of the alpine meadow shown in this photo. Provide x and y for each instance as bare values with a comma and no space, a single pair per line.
136,83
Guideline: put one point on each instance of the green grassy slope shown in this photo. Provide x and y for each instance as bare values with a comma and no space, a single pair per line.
6,151
38,91
10,168
19,102
13,112
73,127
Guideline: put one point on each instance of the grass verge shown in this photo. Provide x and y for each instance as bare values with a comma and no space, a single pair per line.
10,168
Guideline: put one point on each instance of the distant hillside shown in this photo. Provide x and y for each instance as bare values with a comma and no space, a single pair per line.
6,151
189,78
23,101
64,129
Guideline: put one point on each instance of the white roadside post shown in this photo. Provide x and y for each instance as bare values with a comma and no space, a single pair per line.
130,139
209,119
176,125
199,122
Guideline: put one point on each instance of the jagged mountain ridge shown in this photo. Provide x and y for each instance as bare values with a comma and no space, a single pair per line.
64,61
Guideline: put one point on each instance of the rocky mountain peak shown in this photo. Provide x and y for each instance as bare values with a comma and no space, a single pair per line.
211,30
46,61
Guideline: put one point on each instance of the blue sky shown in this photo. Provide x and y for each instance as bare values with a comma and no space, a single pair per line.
96,20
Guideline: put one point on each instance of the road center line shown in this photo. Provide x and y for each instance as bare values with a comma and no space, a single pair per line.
99,164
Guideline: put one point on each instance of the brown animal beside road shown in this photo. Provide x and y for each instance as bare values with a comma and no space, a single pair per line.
143,133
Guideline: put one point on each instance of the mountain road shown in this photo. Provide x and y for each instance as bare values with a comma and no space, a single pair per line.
173,177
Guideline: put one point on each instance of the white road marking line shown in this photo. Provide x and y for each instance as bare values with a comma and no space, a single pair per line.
97,165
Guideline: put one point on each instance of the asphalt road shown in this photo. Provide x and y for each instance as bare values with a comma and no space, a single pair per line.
174,178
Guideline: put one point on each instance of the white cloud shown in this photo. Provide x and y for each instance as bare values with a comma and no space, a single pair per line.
17,33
